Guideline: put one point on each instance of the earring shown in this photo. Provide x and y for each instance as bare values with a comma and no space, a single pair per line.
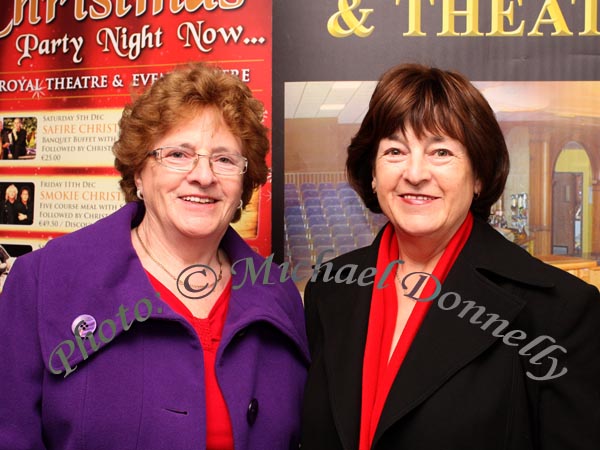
241,204
139,194
475,195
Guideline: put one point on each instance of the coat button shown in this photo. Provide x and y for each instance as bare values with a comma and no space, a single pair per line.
252,411
83,325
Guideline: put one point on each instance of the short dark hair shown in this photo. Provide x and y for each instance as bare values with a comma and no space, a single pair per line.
170,100
429,99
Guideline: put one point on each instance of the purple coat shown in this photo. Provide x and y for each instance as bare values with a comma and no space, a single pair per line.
143,387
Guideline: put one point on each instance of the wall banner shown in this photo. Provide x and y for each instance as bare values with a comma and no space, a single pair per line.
485,39
536,62
69,67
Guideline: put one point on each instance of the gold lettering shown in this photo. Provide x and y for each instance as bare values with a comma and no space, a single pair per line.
34,16
225,4
19,11
209,5
157,7
7,29
18,15
556,19
142,5
80,13
176,6
355,26
106,5
414,18
591,19
121,9
51,9
471,13
101,9
499,15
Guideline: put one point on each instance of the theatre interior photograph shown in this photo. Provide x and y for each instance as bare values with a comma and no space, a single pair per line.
552,131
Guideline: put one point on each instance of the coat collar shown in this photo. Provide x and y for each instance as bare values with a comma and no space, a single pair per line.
445,342
276,301
487,250
96,271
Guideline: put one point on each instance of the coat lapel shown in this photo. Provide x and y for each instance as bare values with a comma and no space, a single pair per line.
262,299
119,287
451,336
446,342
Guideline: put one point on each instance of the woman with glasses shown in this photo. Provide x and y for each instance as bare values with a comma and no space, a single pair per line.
136,332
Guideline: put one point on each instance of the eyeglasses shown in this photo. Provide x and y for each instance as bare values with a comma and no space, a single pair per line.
185,159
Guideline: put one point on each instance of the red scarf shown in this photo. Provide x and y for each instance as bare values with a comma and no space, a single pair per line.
378,374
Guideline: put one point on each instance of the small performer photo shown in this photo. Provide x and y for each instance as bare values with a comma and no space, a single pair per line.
16,203
18,138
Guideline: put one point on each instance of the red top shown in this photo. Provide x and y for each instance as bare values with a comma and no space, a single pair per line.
379,373
219,434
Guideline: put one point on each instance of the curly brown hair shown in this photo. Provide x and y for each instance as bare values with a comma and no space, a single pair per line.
170,100
430,99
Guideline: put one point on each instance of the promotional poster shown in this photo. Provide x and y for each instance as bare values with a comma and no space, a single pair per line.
67,70
535,62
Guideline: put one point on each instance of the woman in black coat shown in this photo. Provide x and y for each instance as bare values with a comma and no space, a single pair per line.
442,334
24,208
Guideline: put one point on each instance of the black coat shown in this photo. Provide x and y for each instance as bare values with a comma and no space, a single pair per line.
8,212
25,209
19,146
462,387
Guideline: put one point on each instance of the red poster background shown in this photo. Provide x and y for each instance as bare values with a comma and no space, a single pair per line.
91,55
